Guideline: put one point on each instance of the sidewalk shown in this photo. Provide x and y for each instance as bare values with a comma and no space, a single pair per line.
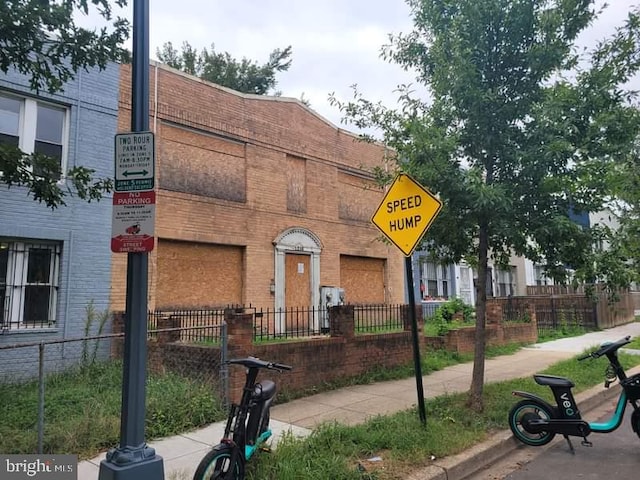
352,405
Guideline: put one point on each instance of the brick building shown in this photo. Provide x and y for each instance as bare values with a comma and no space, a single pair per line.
259,201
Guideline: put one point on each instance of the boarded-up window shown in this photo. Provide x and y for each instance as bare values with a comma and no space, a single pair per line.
202,164
296,184
194,275
358,197
362,279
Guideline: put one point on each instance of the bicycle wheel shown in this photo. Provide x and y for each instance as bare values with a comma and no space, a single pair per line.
635,422
519,417
217,463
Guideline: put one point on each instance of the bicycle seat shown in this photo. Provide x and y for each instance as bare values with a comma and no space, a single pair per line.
553,381
264,390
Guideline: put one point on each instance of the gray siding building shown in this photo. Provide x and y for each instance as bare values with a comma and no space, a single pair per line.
55,263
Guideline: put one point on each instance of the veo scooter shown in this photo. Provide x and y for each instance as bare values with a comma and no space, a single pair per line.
535,422
247,426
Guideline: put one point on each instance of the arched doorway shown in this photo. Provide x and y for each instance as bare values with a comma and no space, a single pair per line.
297,278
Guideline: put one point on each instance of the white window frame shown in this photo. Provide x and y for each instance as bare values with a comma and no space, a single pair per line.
539,277
16,282
510,275
28,124
442,277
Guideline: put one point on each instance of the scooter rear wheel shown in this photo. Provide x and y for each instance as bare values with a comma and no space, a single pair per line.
217,462
522,413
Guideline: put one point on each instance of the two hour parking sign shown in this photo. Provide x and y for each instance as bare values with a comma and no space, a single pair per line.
134,201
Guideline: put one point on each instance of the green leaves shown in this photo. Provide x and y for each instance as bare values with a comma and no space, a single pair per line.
41,176
40,39
242,75
520,133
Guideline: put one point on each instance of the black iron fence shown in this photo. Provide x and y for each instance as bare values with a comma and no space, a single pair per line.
272,324
194,326
378,318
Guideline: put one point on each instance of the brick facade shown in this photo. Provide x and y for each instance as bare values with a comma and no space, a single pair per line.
237,172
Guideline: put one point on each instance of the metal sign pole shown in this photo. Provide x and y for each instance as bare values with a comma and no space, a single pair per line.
133,459
416,343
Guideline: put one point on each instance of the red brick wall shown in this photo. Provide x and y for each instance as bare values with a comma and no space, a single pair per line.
223,179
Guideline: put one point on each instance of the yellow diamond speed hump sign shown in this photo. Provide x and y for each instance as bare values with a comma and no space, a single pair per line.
406,212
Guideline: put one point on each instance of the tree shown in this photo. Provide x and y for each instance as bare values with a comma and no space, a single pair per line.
518,133
40,39
242,75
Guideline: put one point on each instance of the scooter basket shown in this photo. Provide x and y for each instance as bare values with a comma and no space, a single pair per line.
631,386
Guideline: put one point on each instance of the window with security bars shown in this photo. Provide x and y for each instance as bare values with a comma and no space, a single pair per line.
34,127
506,281
28,283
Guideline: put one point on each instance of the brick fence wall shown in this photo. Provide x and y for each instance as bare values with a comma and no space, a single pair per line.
316,361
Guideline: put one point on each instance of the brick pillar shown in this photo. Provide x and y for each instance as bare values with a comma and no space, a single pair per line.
342,322
239,345
117,324
117,343
168,323
406,319
531,311
494,312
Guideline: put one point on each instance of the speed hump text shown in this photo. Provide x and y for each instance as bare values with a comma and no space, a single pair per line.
406,212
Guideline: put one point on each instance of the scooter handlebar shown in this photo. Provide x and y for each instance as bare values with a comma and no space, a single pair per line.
252,362
607,347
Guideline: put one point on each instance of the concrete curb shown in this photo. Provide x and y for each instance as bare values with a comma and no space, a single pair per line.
474,459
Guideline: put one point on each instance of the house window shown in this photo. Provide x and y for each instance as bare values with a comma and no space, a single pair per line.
34,127
506,282
28,284
539,276
435,281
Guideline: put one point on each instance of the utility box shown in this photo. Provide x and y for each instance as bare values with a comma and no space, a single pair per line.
329,297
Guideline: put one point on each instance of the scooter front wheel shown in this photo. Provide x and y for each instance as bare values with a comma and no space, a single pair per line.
520,416
217,464
635,422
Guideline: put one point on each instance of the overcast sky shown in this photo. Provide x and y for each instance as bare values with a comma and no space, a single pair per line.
336,43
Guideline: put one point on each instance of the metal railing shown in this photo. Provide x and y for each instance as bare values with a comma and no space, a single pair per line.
378,318
289,323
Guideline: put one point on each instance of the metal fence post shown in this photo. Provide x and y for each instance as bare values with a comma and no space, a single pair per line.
40,397
224,368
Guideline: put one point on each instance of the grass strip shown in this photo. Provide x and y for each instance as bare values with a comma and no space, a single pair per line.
341,452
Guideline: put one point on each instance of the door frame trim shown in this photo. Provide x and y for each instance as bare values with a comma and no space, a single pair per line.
302,241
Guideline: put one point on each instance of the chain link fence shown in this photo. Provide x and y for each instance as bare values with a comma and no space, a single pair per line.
64,396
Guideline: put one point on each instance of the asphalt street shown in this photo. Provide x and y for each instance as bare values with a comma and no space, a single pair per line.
613,455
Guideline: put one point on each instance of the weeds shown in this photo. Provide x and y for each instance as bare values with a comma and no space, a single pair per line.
340,452
82,412
91,316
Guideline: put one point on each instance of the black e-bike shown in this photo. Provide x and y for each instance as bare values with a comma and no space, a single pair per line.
247,425
535,422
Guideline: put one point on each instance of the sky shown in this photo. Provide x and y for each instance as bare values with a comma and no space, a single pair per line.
335,43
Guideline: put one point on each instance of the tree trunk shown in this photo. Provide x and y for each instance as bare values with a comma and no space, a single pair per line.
476,402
